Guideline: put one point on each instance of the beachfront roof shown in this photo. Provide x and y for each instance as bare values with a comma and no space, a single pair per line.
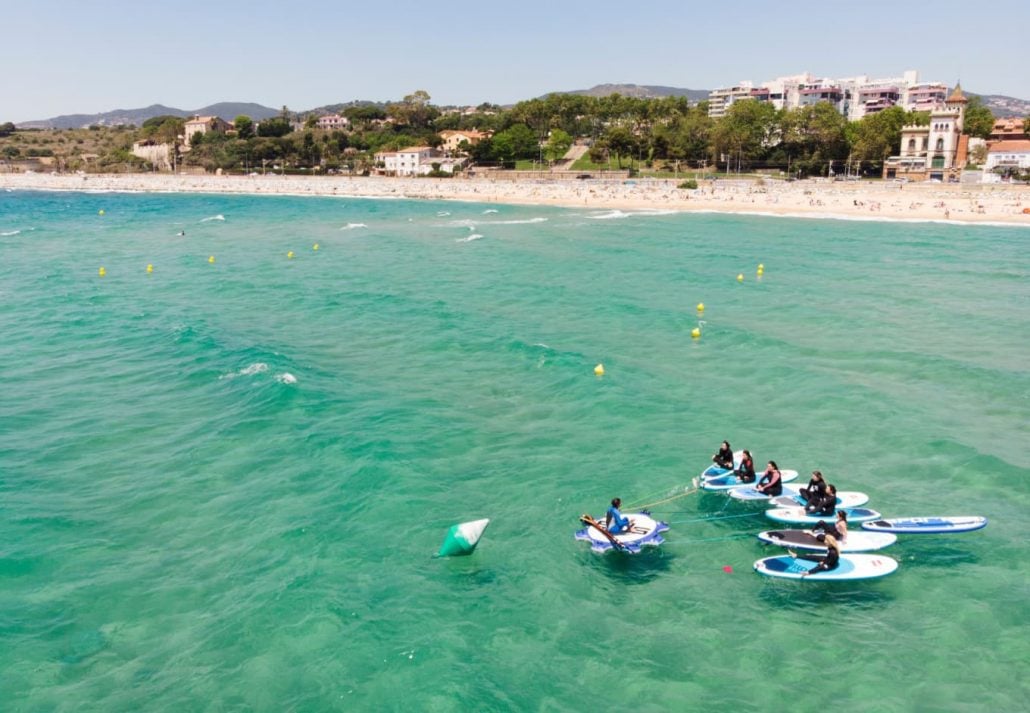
1009,147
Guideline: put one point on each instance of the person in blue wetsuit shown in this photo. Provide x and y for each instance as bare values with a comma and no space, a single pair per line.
614,521
772,482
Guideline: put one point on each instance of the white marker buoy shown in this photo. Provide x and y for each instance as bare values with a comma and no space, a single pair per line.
462,538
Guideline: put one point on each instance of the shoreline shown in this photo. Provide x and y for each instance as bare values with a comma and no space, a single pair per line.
994,204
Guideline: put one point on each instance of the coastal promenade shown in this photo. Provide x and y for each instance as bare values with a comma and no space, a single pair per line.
862,200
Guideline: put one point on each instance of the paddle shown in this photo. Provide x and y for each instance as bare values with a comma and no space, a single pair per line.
591,522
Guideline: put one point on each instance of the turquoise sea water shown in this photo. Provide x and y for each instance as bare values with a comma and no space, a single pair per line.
222,485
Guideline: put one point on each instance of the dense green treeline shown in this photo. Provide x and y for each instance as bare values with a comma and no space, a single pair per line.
619,131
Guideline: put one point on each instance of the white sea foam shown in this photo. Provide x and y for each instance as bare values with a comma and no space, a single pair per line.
353,226
442,213
469,239
9,233
619,214
286,378
527,221
213,217
490,210
255,368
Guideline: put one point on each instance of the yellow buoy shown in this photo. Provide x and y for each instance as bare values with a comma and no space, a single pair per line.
211,259
101,271
740,277
150,268
290,255
315,246
695,332
100,212
700,306
599,370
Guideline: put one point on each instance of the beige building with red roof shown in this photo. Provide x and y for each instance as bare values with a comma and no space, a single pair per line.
204,125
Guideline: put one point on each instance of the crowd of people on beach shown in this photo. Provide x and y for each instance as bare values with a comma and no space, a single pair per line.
881,199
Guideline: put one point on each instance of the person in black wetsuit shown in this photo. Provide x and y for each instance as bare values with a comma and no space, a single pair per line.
826,562
746,471
724,458
823,505
839,529
772,482
816,487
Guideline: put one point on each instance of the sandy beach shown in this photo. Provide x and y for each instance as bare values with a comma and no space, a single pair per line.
873,200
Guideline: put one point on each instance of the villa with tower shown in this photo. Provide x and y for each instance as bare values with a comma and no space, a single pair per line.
937,151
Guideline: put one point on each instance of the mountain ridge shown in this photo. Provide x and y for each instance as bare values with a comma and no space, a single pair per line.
1001,106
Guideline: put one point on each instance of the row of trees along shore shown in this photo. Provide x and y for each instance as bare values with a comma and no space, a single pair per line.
622,132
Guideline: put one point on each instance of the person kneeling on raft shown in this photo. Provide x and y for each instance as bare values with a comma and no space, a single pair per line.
724,458
772,482
746,471
614,521
825,563
825,504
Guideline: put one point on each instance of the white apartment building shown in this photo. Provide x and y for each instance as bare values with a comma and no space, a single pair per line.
1008,155
415,161
854,97
333,122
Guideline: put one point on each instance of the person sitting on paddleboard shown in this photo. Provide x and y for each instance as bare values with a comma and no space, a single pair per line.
772,482
825,563
824,504
838,530
724,458
614,521
746,471
816,487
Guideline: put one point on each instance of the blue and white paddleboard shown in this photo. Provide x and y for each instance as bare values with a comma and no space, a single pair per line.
729,481
859,541
850,567
798,516
927,525
791,497
714,471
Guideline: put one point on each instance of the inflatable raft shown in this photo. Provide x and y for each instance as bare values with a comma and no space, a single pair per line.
645,531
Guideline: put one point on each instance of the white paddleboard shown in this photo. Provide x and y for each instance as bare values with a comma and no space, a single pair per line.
791,498
850,567
859,541
729,480
798,516
928,525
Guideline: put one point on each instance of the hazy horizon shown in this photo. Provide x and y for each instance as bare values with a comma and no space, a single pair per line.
89,57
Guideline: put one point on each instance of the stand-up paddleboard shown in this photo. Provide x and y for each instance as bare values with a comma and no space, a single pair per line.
645,532
798,516
850,567
730,481
927,525
791,497
714,471
860,541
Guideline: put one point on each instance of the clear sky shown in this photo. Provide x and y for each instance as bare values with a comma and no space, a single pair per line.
88,56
